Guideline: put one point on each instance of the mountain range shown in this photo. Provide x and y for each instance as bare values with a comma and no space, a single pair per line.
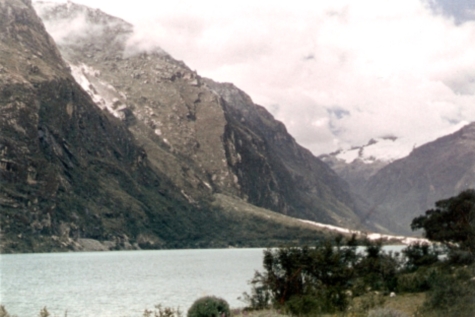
102,142
104,145
393,192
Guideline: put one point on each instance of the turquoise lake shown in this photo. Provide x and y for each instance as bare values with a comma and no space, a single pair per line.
124,283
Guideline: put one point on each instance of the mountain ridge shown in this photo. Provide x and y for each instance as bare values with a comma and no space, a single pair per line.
145,164
408,187
194,98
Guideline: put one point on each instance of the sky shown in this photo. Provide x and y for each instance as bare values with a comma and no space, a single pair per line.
338,72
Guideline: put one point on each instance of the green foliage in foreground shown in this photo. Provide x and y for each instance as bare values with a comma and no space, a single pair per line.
452,292
321,279
325,278
209,306
452,222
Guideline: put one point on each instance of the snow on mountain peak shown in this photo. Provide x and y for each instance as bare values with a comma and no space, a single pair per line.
388,148
385,149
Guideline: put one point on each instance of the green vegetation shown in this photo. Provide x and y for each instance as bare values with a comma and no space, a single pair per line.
332,278
452,223
161,311
386,312
209,306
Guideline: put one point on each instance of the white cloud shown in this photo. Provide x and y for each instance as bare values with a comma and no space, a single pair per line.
391,67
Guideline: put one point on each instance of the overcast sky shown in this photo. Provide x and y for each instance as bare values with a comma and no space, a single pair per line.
336,72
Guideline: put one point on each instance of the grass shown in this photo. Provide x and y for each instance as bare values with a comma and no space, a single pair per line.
409,304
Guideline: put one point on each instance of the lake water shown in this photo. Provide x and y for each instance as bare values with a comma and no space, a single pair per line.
124,283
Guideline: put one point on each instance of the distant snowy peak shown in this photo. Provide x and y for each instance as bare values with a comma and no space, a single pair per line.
384,149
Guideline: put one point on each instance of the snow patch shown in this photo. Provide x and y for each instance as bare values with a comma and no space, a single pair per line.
389,148
104,95
371,236
385,149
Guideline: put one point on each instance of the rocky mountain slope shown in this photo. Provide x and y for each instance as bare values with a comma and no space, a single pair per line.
207,137
143,152
71,172
408,187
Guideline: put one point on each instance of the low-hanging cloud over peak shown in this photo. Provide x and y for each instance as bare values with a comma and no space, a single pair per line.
337,73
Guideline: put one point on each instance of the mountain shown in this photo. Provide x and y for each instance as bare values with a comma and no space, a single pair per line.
222,142
133,149
384,149
408,187
357,164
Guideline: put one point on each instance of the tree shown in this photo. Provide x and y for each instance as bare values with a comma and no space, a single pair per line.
452,222
306,280
209,306
420,254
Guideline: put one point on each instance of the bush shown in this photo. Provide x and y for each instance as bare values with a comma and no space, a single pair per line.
378,269
420,254
452,293
162,312
386,312
304,305
460,257
209,306
371,300
260,297
452,222
305,276
418,281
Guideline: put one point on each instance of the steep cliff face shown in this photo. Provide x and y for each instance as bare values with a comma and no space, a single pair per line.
273,170
97,162
179,121
67,169
208,138
437,170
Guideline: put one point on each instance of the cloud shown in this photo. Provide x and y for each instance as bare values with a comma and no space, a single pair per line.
337,73
460,11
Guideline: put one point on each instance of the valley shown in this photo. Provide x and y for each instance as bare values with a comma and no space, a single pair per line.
107,146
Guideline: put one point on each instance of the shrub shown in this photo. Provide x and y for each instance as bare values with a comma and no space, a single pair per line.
209,306
260,297
452,222
420,254
452,293
321,274
378,269
163,312
304,305
386,312
418,281
460,257
371,300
